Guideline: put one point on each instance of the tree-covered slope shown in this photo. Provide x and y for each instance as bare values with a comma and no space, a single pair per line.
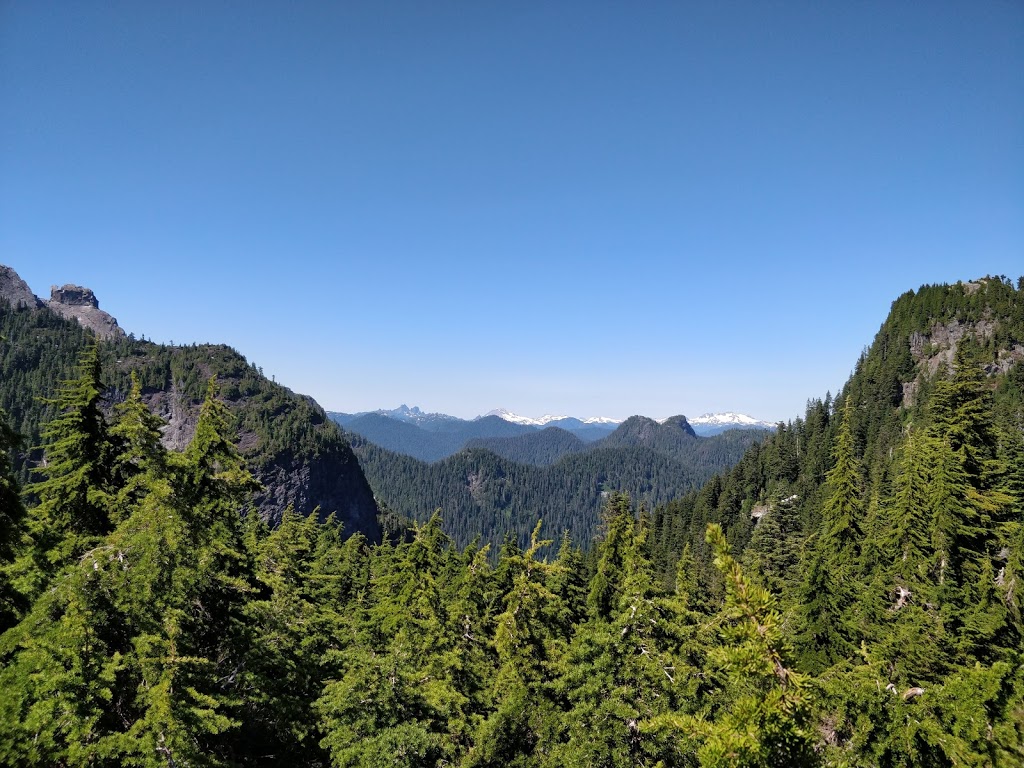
299,456
482,493
889,524
539,448
847,595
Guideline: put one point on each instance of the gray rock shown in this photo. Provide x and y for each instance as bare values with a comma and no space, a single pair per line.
77,303
15,291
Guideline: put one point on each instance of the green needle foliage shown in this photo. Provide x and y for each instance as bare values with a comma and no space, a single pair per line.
849,594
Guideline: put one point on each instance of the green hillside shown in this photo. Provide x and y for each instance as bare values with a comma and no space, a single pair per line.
298,455
848,594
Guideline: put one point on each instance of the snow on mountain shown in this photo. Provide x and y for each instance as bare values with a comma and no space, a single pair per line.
601,420
515,418
705,424
730,419
709,424
414,415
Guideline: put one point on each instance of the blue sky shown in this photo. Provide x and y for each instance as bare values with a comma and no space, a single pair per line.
589,208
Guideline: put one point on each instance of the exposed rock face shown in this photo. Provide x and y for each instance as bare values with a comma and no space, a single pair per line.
936,349
330,482
77,303
15,291
180,414
74,296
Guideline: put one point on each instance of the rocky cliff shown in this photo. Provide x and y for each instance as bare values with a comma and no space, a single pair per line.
15,291
77,303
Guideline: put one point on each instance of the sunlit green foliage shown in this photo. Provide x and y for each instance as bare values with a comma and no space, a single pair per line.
849,594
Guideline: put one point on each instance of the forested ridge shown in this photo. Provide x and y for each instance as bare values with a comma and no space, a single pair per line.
850,593
300,456
486,494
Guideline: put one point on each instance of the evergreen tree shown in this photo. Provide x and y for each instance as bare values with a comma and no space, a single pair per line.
285,673
619,527
765,712
625,666
75,493
136,450
135,653
529,641
407,694
827,594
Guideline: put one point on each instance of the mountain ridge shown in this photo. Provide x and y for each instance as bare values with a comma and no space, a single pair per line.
299,456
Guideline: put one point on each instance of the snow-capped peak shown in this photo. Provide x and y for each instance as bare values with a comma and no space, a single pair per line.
546,419
729,419
414,415
515,418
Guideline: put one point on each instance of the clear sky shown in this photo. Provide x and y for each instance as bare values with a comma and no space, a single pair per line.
590,208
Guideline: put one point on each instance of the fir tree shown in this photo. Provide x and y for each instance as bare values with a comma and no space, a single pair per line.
624,667
528,641
766,706
75,495
137,452
827,596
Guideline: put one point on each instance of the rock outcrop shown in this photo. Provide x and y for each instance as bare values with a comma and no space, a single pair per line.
15,291
77,303
326,481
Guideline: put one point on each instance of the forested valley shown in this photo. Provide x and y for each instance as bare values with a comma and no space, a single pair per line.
849,593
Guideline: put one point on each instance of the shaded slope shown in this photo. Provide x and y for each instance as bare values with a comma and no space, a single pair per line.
537,448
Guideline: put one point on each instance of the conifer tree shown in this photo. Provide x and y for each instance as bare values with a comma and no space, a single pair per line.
407,689
686,578
843,508
624,667
284,670
827,595
568,582
136,450
58,674
970,510
75,493
528,641
140,655
765,714
619,528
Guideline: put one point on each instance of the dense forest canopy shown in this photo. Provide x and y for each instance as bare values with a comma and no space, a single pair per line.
850,593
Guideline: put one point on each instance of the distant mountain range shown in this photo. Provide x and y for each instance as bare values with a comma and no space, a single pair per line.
555,421
431,437
452,433
491,485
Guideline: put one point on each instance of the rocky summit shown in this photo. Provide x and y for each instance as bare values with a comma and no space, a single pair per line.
77,303
70,301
